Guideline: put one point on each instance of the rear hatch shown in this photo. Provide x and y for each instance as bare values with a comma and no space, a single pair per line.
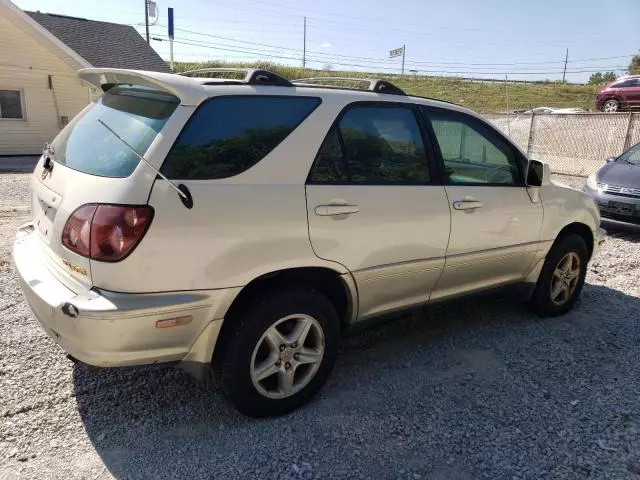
89,162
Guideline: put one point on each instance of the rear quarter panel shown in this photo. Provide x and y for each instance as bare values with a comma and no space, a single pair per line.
245,231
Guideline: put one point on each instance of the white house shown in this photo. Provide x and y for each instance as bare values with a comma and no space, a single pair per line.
39,56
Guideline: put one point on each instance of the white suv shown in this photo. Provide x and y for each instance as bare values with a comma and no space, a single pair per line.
246,224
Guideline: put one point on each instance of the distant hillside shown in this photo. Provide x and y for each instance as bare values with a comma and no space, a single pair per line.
480,96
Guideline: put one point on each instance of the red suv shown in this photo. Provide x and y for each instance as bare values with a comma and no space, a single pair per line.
622,94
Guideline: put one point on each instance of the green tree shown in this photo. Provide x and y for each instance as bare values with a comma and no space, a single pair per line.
595,78
634,66
599,77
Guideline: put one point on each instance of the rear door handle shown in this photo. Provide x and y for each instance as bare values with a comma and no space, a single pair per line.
466,204
328,210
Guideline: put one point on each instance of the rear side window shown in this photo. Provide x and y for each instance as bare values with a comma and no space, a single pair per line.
136,114
373,146
633,82
228,135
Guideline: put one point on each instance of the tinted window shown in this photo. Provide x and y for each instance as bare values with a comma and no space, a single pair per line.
136,114
330,166
11,104
631,156
472,152
375,146
227,135
626,84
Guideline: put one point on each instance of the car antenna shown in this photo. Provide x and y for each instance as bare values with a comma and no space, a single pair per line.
184,193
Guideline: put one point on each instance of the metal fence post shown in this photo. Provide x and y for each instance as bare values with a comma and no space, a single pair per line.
627,138
531,136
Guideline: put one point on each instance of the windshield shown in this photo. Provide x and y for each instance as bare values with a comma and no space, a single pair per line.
631,156
138,113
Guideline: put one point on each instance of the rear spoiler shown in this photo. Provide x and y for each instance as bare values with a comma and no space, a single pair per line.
188,90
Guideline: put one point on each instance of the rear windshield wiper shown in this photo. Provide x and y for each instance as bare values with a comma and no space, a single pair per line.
184,193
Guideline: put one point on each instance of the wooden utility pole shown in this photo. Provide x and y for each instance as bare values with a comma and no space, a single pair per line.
146,18
566,58
404,47
304,45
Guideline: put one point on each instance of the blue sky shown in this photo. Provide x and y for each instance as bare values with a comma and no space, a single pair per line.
526,40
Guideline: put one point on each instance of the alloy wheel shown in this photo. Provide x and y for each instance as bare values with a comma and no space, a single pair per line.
287,356
565,279
611,106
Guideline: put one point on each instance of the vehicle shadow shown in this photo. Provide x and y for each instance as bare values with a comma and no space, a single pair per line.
627,232
400,399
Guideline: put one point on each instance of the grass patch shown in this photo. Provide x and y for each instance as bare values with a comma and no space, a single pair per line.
479,96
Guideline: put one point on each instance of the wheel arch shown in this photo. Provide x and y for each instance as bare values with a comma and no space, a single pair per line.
339,288
615,97
580,229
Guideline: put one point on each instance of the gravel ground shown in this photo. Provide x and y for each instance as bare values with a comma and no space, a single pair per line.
14,209
478,389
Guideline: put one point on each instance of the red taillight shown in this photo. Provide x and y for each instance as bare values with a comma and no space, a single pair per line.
77,231
106,232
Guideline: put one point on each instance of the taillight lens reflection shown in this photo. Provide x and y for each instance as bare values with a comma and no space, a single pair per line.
77,230
106,232
117,230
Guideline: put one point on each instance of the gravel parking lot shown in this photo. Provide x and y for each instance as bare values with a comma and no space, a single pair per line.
478,389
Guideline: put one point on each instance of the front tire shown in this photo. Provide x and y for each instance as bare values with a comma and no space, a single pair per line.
562,277
276,354
611,106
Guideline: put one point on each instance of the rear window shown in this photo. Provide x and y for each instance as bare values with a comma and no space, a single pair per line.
228,135
136,114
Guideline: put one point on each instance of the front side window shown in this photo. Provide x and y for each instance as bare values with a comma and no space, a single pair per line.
374,146
11,104
472,153
228,135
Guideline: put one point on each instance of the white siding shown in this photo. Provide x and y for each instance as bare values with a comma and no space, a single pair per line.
25,64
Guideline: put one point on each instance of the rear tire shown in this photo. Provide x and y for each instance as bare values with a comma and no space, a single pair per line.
260,340
562,277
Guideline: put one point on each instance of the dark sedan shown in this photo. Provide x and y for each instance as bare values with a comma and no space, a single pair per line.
616,187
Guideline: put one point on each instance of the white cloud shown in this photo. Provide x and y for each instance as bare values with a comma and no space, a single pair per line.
326,45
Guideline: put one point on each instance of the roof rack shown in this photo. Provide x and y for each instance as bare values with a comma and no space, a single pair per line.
250,76
372,84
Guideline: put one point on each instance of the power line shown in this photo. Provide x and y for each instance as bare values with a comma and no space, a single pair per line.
360,18
256,52
384,60
341,25
291,53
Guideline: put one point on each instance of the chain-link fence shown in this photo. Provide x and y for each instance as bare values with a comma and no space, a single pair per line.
572,144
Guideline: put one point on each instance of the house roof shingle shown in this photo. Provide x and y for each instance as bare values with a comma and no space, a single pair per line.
103,44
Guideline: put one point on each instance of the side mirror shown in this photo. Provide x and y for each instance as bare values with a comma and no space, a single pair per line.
538,174
610,159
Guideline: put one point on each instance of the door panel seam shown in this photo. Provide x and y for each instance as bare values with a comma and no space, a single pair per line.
404,262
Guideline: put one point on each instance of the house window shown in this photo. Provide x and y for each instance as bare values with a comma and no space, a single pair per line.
11,104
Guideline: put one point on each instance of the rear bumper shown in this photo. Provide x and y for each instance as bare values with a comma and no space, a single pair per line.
115,329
